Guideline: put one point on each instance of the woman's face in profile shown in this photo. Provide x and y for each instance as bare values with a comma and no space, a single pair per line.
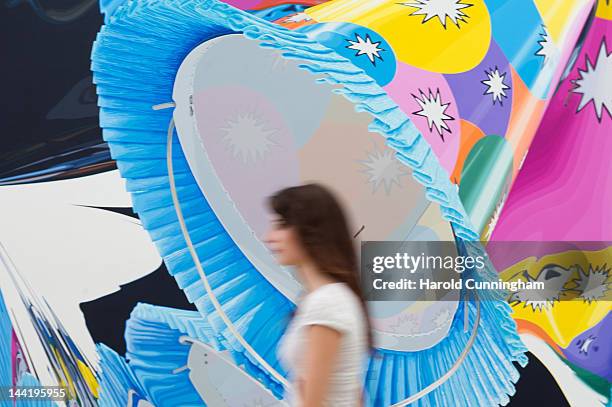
284,243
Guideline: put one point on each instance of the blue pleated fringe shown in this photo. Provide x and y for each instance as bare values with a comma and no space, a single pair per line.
135,59
153,351
116,379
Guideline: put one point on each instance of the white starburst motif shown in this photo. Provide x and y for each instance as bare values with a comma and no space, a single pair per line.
595,83
405,323
554,277
366,47
248,136
297,18
539,305
442,317
434,110
382,168
495,85
443,9
548,49
594,285
584,348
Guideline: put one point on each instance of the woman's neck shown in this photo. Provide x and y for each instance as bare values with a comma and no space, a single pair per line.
312,278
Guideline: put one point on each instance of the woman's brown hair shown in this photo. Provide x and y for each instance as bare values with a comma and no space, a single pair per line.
322,227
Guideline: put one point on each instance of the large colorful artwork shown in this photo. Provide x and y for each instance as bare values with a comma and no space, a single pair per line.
476,89
418,114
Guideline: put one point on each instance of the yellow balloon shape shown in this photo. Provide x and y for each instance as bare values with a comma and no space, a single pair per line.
445,40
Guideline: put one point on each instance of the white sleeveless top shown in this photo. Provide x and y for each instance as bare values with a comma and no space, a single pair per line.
335,306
